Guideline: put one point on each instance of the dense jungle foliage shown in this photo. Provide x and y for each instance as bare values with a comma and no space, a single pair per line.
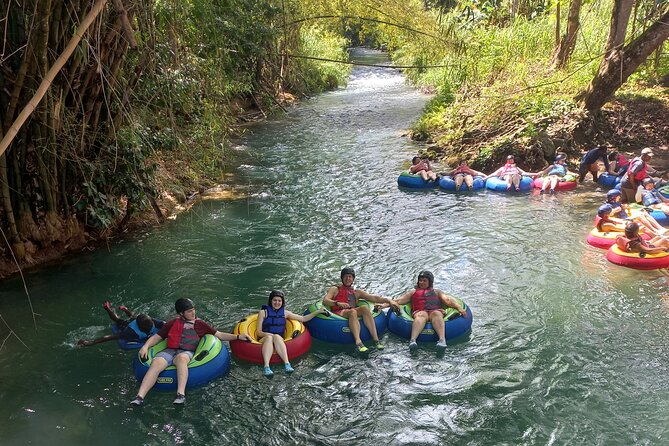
144,106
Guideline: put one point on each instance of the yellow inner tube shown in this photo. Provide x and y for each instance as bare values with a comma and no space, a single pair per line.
635,255
249,326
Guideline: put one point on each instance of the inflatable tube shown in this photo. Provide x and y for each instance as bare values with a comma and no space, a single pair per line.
605,240
499,185
412,181
210,361
608,181
637,260
124,343
456,325
660,216
335,329
448,183
562,185
296,337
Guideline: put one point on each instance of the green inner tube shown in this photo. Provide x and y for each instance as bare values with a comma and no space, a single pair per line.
318,305
208,343
406,173
450,313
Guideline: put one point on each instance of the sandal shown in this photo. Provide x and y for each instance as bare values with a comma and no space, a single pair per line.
361,348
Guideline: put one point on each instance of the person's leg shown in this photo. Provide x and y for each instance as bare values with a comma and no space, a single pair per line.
368,320
280,348
594,170
509,181
469,181
554,182
545,184
353,324
432,175
157,365
437,320
267,349
516,181
181,363
458,182
419,321
582,171
626,194
423,175
112,314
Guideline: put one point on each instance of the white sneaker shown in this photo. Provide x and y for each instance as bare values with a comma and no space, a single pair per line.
413,346
441,344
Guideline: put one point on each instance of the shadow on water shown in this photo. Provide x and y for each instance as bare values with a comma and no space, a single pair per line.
565,348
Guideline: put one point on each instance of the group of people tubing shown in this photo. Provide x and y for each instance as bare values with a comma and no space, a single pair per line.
615,164
509,172
639,232
183,333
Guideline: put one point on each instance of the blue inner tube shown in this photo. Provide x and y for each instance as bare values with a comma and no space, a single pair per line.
124,343
335,329
499,185
448,183
607,180
211,360
456,325
660,216
412,181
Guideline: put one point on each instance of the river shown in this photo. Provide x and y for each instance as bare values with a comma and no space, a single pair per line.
565,348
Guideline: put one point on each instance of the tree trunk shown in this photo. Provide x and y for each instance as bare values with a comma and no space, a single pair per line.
566,47
619,20
621,63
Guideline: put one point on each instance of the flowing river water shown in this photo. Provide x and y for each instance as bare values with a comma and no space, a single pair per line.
565,348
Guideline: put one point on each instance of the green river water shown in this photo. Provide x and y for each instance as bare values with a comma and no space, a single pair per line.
565,348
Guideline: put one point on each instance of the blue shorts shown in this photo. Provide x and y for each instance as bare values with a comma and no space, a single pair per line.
169,353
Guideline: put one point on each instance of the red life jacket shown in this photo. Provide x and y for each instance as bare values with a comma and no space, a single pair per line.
182,335
509,169
624,243
425,300
640,175
345,294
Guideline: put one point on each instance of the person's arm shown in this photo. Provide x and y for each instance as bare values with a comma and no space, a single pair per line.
613,168
232,337
605,160
306,317
496,173
329,301
261,319
144,351
105,338
450,302
360,294
403,299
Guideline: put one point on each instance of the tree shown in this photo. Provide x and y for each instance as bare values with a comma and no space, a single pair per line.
621,61
566,45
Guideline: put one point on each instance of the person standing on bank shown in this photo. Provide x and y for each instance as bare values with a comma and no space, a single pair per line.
589,163
344,301
183,336
636,172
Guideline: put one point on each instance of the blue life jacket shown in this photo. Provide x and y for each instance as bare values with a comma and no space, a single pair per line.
140,334
275,320
558,169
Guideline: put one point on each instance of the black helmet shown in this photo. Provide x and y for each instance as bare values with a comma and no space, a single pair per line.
428,275
648,181
347,270
604,209
613,193
560,157
183,304
631,230
273,294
